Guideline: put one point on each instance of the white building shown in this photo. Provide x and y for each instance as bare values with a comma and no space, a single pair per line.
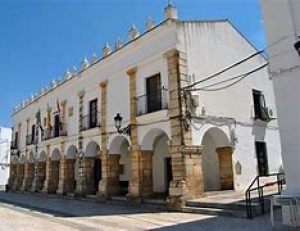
5,138
282,38
187,136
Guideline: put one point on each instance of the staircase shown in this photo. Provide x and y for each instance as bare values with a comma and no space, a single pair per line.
232,203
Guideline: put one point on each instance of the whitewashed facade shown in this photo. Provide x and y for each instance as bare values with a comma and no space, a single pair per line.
5,138
151,82
282,36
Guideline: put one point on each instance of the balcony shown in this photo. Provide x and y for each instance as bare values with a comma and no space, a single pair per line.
90,121
152,102
54,132
30,139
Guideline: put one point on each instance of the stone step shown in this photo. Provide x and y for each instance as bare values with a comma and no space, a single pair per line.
215,212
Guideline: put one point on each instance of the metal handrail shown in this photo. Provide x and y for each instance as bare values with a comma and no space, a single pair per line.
88,124
260,189
143,101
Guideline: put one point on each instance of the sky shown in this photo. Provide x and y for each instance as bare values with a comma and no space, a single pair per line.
40,39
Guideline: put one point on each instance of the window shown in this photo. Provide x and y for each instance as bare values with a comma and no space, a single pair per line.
93,113
16,141
32,133
262,159
153,92
260,110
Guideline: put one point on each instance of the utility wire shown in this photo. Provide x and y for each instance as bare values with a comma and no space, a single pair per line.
226,69
239,77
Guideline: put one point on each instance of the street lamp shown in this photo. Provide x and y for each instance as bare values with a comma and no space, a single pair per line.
118,123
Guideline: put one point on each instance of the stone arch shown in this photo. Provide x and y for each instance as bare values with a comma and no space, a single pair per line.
92,149
215,142
93,166
22,159
150,138
55,155
156,142
116,146
31,158
119,155
42,156
71,152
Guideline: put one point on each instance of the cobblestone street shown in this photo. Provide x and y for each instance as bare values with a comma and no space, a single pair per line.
37,212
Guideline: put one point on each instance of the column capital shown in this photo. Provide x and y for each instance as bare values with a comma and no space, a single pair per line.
171,53
132,72
103,84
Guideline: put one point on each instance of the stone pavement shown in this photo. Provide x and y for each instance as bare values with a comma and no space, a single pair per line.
38,212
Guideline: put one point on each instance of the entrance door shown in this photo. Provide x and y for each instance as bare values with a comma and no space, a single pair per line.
56,126
153,93
97,173
262,159
169,173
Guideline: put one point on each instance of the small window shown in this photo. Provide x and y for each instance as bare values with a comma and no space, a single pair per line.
262,158
93,119
260,110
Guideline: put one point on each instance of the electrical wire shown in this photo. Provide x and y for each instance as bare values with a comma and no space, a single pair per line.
241,77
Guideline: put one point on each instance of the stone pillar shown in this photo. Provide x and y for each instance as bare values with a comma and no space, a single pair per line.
28,176
85,184
187,180
103,189
12,175
62,176
19,178
40,176
52,176
187,177
225,167
146,173
81,182
134,191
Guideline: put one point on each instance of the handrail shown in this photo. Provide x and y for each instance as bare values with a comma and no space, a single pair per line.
260,189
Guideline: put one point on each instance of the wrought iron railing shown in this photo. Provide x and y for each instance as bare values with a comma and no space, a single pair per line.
90,121
152,102
259,189
54,132
30,139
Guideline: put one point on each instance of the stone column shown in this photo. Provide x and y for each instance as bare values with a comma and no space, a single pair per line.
12,175
113,175
20,175
85,184
28,176
225,167
146,173
62,176
52,176
81,182
40,176
187,177
134,190
103,190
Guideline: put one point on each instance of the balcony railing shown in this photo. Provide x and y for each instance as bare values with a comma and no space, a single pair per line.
152,102
90,121
30,139
54,132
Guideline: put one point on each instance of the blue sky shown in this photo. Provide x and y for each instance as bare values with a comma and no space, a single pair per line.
40,39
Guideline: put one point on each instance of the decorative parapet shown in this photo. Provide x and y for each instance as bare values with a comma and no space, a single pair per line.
150,23
133,33
85,64
106,50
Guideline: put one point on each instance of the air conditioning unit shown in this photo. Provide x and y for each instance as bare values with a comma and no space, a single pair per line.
270,113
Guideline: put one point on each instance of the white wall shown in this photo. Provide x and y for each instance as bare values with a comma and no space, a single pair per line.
5,138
